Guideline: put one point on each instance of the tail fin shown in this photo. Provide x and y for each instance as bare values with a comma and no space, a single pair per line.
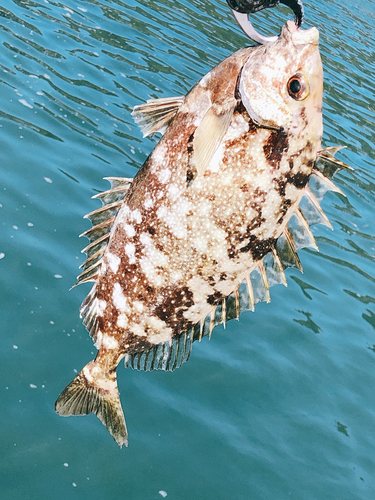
93,393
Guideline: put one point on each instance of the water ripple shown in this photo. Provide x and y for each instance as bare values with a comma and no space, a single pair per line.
281,402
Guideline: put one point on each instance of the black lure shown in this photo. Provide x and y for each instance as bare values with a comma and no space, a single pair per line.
251,6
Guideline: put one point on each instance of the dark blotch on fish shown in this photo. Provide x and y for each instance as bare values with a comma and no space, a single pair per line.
275,147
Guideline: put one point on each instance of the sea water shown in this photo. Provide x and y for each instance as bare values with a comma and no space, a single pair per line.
280,404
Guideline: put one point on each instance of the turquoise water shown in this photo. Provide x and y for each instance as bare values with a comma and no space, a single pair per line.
279,405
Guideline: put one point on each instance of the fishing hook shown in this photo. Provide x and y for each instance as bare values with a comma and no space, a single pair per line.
242,8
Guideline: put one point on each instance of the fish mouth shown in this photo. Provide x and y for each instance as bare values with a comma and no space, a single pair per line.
301,37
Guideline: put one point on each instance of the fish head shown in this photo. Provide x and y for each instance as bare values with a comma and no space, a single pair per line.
281,83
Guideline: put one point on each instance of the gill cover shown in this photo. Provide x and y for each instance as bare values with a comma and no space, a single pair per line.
280,78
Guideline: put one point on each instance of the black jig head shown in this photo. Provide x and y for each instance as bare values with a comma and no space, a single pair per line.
242,8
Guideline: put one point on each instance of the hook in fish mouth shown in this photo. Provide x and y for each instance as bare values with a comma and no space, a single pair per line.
242,8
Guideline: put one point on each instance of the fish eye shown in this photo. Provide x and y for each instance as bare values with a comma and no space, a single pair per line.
298,87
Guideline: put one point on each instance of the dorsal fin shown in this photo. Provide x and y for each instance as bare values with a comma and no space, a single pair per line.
254,287
156,114
327,164
98,235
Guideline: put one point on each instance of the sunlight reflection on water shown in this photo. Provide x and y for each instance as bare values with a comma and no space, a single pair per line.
279,404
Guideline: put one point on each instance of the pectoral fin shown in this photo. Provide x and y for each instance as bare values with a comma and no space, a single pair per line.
209,134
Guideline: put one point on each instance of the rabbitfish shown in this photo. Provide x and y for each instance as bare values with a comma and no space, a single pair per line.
202,231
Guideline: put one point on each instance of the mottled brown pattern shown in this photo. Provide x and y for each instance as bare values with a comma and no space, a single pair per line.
215,298
283,210
133,343
299,179
176,301
185,237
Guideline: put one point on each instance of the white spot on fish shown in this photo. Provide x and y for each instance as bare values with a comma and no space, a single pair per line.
122,320
101,305
148,202
175,217
138,330
108,342
136,216
113,261
129,230
137,306
119,299
130,252
164,175
291,191
173,192
2,255
154,328
47,179
159,155
97,344
123,215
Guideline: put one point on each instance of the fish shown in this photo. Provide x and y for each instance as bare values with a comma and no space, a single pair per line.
211,221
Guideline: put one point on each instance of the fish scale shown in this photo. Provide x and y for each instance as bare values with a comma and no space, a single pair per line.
211,221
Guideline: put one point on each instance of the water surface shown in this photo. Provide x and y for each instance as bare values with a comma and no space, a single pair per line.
279,405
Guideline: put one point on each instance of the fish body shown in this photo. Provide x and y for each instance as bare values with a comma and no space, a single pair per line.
171,251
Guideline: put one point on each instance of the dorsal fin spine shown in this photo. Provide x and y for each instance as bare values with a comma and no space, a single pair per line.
280,266
223,312
289,238
201,329
306,228
264,279
212,322
86,279
250,291
236,294
95,257
104,213
103,226
89,270
327,181
316,204
118,181
95,242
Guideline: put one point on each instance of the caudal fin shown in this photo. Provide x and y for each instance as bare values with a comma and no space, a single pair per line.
94,392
